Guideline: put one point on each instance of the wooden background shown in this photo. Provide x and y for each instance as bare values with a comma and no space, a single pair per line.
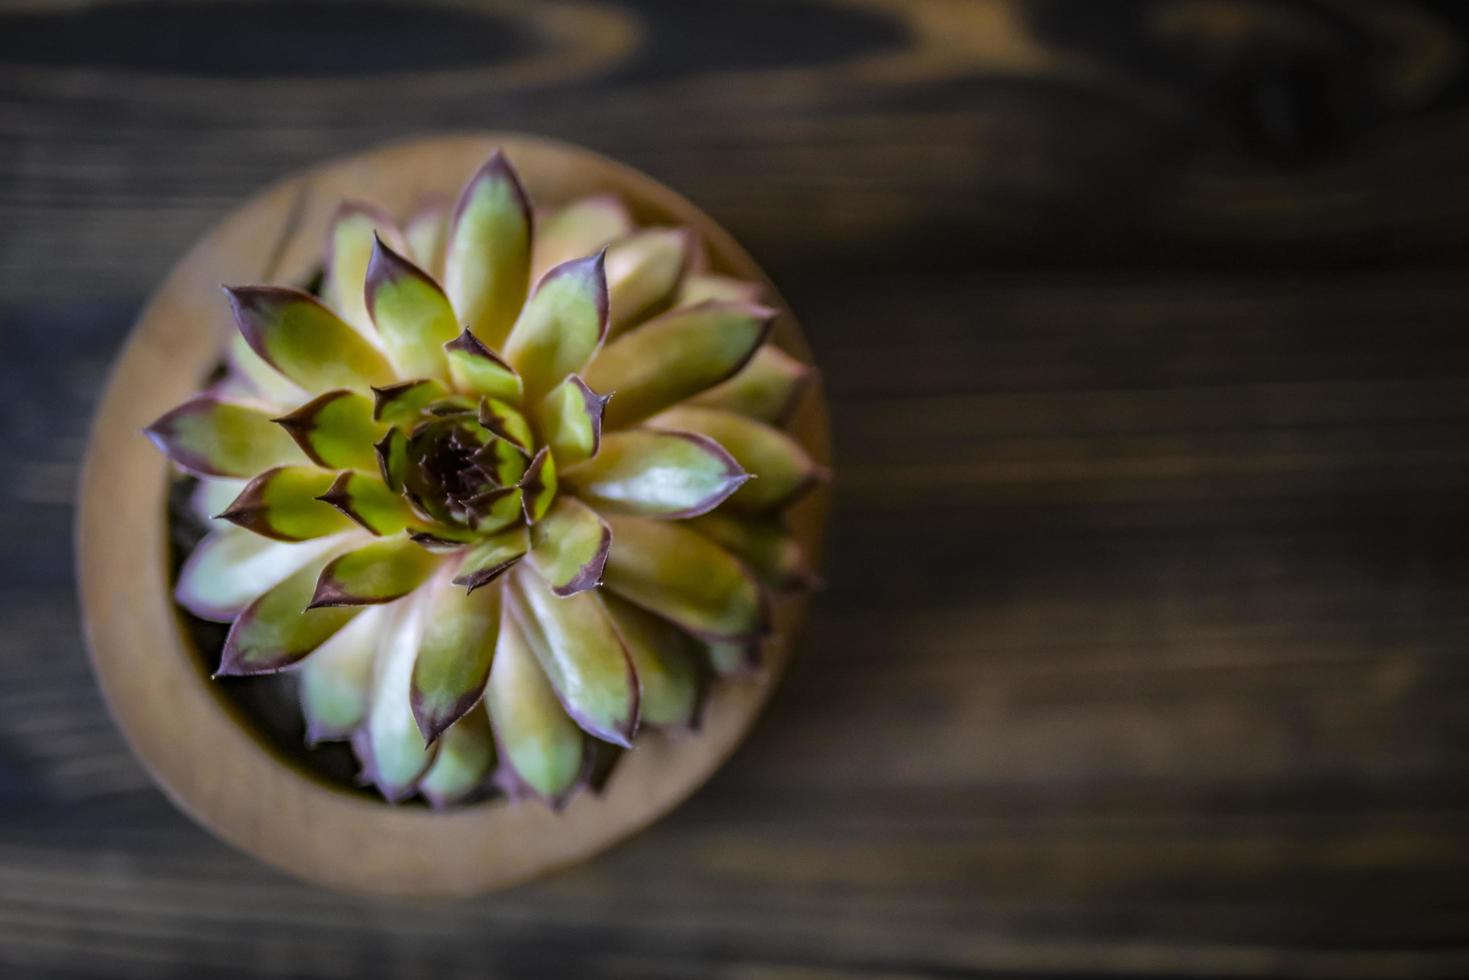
1147,331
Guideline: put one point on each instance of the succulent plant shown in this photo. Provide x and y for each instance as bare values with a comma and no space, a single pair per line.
424,497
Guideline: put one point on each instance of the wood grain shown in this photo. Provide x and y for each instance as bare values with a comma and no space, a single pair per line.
1144,326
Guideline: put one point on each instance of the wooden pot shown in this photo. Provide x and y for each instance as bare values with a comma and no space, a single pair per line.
182,725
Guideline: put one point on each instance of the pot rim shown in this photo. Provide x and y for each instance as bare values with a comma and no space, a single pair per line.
184,729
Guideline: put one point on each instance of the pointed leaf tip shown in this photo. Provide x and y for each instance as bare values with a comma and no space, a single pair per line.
676,356
502,420
487,262
284,503
404,401
373,574
300,337
353,229
392,458
538,486
276,630
478,370
211,437
466,752
569,547
491,557
569,420
335,430
576,229
783,469
454,655
659,473
368,502
562,324
582,654
411,312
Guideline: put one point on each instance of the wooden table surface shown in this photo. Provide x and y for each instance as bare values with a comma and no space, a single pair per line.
1146,326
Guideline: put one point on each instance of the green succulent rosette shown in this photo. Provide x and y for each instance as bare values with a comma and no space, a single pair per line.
424,497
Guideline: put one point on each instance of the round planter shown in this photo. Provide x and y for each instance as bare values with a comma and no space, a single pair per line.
203,751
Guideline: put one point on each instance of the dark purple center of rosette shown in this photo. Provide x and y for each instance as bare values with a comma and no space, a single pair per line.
455,469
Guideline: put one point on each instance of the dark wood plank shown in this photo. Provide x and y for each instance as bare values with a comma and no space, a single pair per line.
1143,647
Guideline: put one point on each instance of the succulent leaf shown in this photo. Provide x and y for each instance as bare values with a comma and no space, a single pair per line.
335,430
492,557
303,340
487,265
403,402
212,496
209,437
643,270
569,420
679,574
454,656
476,369
277,630
762,543
411,313
499,509
676,356
392,459
705,286
539,745
350,239
569,547
373,574
232,567
388,745
768,388
561,326
285,503
368,501
781,468
506,422
582,655
509,463
268,384
658,473
426,233
336,679
466,754
582,227
664,662
538,486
